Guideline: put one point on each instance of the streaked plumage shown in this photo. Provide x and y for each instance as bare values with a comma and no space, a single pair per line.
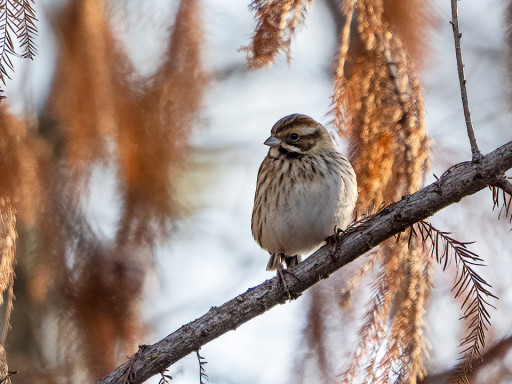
305,188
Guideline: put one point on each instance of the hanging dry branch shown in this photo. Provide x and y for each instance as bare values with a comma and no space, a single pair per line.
469,285
156,127
8,237
463,180
277,21
378,108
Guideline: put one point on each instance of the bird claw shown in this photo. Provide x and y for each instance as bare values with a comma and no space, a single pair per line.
338,231
281,271
333,240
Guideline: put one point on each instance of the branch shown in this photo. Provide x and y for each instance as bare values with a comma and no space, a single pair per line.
504,184
476,155
463,180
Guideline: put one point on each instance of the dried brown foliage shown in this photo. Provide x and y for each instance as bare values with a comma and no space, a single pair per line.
84,93
100,112
8,237
5,374
19,199
148,123
19,158
378,106
277,21
156,126
109,325
412,23
83,105
314,338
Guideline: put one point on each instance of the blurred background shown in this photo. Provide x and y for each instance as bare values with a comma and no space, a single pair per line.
129,149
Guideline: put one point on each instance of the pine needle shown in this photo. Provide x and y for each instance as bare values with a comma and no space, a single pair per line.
469,286
501,200
203,377
17,23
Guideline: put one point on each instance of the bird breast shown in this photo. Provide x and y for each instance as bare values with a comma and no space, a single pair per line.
312,195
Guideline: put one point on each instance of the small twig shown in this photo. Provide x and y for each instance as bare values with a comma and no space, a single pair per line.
202,371
164,378
501,186
504,183
476,155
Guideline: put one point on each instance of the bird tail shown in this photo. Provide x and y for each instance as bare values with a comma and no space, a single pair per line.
277,259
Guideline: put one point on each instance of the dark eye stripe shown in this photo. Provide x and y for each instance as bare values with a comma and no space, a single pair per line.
306,142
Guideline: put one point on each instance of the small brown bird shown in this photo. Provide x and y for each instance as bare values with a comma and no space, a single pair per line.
305,189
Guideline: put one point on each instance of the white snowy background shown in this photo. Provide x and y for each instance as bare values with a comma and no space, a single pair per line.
212,257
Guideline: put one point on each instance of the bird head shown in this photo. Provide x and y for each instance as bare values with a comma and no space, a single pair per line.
298,134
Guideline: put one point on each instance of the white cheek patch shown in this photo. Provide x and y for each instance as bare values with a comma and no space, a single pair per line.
291,148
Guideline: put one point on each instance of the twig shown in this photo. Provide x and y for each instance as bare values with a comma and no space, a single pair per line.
462,181
164,378
202,371
476,155
504,183
502,187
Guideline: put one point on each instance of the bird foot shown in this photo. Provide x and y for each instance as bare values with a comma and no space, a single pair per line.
281,271
333,240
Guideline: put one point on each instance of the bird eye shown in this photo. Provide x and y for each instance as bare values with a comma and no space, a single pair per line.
294,136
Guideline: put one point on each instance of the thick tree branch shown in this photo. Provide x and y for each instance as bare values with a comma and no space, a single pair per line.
476,155
460,181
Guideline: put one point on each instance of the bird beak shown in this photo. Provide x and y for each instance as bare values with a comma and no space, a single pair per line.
272,140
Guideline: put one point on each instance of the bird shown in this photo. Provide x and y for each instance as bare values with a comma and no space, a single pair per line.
305,191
